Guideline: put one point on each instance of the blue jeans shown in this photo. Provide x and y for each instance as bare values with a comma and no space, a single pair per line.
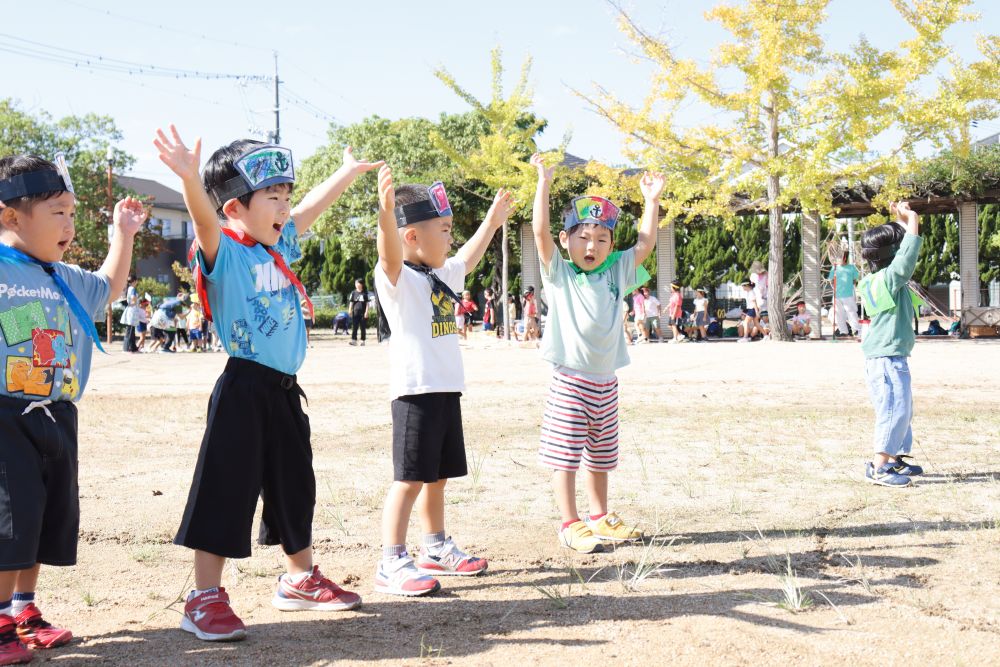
889,387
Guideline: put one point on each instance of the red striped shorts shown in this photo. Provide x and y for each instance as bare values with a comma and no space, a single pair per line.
580,422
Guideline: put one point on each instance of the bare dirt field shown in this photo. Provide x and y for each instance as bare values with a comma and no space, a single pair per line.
744,461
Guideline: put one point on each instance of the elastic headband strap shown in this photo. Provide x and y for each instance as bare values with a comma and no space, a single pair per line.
410,214
231,189
31,183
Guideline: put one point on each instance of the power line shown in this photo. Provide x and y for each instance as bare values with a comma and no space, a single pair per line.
160,26
77,59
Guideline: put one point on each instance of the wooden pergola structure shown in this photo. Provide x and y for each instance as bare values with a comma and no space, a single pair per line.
850,204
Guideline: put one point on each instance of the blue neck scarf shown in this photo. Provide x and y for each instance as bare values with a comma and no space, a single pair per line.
14,256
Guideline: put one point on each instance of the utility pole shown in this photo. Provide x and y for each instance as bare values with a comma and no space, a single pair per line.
277,102
111,209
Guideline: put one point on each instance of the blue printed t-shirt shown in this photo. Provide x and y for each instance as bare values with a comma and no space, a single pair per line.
45,352
584,326
255,308
847,274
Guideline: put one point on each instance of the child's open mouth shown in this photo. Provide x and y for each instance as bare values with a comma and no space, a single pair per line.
588,258
63,245
277,227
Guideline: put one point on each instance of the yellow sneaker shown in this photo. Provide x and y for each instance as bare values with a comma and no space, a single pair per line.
611,528
578,537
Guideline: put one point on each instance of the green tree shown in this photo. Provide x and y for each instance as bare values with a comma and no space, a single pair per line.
84,140
796,118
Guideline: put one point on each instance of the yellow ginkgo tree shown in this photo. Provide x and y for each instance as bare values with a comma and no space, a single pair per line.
786,119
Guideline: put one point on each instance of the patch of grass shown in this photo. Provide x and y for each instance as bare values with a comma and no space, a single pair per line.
476,470
180,598
633,574
640,453
793,597
89,599
148,555
858,574
427,651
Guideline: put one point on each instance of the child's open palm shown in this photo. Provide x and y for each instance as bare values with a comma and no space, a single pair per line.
544,173
386,191
182,161
651,185
129,215
359,166
501,208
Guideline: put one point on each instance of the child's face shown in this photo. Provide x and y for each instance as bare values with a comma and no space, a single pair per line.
747,288
802,308
266,215
44,229
428,242
588,245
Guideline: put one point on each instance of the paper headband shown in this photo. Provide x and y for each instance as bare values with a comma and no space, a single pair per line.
597,210
37,182
259,168
437,206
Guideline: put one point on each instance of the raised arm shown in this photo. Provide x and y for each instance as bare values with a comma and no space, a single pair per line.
900,270
128,218
323,195
496,217
651,185
390,248
185,162
540,211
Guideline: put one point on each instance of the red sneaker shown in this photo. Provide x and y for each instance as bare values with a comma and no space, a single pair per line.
211,619
35,632
449,560
314,592
12,651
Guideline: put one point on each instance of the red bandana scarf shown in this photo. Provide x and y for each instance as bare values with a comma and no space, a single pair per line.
248,241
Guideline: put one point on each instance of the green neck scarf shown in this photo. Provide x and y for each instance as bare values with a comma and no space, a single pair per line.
641,274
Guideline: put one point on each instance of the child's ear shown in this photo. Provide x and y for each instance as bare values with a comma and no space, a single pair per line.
233,208
9,219
564,239
410,235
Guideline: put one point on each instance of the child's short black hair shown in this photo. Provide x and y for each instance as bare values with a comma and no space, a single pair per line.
879,244
15,165
411,194
221,167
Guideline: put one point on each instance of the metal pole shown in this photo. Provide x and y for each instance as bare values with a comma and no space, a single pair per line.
277,103
111,221
507,323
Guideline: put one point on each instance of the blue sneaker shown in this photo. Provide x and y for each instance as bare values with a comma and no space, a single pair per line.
885,476
901,467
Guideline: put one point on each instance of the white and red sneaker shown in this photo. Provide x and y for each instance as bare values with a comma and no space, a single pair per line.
448,559
313,592
210,618
400,577
35,632
12,651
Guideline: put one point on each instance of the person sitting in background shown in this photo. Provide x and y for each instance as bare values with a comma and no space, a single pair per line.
801,322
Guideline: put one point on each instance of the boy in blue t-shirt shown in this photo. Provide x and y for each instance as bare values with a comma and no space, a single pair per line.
256,440
47,312
845,306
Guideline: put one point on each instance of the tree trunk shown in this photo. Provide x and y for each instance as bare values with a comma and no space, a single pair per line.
776,227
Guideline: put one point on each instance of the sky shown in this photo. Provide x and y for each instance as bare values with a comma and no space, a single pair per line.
344,61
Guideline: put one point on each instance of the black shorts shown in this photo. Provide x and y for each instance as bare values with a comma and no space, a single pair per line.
39,496
427,440
256,444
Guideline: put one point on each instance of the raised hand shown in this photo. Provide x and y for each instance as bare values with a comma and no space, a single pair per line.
359,166
386,191
544,174
182,161
129,215
651,185
500,209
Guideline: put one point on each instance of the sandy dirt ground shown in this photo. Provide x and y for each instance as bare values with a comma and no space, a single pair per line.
744,462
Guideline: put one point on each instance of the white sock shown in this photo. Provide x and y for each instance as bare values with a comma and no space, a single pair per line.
296,578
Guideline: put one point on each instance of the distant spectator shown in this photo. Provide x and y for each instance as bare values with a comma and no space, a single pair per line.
759,280
845,310
652,305
701,314
750,325
359,312
801,322
675,309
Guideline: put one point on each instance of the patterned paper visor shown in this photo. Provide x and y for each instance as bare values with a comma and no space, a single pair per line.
437,206
259,168
597,210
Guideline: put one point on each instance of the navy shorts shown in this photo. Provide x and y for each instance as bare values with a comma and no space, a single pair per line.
39,495
256,444
428,444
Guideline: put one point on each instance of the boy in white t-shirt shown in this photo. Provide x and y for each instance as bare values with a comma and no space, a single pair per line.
416,283
701,314
750,324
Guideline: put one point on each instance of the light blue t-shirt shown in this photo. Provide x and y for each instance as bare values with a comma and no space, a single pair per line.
46,353
583,330
255,308
847,274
